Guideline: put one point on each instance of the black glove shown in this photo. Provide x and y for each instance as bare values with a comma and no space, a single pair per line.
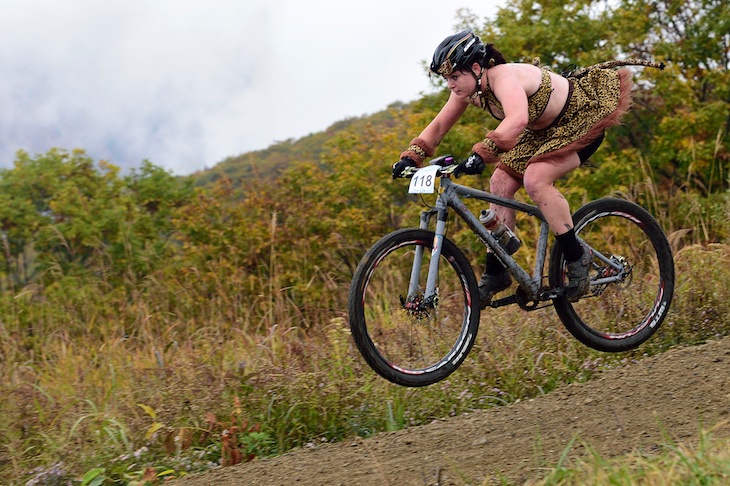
401,165
473,165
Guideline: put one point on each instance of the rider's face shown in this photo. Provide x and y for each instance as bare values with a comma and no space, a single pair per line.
461,83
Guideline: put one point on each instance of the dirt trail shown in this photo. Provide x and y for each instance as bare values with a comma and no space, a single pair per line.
620,410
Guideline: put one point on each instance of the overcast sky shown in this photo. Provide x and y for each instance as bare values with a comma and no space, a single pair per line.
187,83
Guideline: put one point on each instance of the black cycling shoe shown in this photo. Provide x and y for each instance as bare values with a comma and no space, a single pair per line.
578,283
492,284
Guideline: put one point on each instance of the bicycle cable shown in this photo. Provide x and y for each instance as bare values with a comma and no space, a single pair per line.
425,203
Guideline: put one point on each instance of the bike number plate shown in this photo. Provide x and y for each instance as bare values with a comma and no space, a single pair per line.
424,181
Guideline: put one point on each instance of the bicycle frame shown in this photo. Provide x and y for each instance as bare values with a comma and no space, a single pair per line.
449,197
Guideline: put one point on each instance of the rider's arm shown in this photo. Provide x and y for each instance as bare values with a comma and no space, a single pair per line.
425,144
442,123
510,92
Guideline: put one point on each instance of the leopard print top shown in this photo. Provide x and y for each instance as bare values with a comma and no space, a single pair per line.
537,101
596,99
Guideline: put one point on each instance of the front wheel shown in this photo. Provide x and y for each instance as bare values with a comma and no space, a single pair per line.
413,339
632,276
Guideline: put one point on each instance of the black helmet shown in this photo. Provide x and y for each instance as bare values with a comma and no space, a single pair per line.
456,52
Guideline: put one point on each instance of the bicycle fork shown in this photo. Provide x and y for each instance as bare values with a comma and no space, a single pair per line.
430,294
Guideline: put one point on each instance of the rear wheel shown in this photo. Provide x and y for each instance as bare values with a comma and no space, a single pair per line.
631,287
410,339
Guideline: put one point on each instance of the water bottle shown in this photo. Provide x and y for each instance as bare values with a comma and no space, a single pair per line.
507,239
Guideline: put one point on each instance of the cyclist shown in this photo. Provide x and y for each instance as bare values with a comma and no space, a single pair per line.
549,125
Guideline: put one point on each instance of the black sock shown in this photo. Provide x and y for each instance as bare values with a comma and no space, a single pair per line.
570,246
494,266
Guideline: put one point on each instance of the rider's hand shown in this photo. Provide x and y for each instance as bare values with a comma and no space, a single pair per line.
473,165
401,165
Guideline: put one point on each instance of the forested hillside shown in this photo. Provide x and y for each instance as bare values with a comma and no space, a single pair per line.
151,324
269,162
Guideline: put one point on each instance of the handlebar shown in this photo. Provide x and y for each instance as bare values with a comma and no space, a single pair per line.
447,163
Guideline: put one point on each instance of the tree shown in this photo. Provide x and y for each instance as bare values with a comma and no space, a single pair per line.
687,139
63,212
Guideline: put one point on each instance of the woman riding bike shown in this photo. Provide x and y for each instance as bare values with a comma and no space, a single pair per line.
549,125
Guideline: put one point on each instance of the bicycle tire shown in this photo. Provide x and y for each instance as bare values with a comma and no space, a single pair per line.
405,347
619,316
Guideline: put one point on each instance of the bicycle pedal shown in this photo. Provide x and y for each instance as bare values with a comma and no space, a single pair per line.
553,294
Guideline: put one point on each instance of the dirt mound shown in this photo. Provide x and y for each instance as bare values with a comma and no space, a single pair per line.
673,394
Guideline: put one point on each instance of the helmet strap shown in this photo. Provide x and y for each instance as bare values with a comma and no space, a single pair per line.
479,92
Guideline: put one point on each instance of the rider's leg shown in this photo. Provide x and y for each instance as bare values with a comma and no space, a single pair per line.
495,277
505,185
538,180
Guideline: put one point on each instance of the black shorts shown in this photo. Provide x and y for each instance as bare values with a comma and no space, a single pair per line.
590,149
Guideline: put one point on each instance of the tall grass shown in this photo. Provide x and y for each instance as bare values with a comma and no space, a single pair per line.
160,375
704,462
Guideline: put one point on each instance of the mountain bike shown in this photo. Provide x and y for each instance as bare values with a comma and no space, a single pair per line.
414,302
